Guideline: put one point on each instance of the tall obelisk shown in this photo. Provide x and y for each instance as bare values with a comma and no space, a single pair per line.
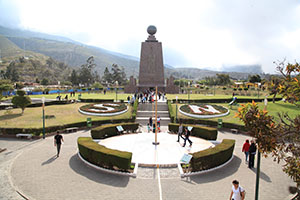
151,72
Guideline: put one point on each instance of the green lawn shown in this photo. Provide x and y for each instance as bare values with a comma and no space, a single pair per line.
64,114
108,95
273,109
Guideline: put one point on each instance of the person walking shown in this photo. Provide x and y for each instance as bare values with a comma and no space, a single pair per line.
245,149
237,192
150,121
58,139
187,137
180,131
252,152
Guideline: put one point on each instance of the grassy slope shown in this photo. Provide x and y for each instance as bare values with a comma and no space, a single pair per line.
64,114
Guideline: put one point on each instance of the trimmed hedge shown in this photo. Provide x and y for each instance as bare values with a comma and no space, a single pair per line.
171,112
103,157
239,100
48,129
213,157
207,133
109,130
96,100
134,110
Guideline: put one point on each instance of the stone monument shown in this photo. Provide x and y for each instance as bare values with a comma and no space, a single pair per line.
151,72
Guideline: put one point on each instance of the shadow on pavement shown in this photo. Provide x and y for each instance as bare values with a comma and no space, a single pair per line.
263,176
50,160
95,175
218,174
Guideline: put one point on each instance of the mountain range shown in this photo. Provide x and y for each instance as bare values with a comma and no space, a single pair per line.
15,43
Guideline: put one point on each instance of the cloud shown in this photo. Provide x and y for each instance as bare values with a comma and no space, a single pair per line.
194,33
9,14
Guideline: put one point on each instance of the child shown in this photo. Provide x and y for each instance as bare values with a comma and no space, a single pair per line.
148,126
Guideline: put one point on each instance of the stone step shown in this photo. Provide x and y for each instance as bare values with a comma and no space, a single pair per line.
152,114
144,122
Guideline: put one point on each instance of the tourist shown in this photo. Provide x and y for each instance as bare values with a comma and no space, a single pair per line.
252,152
237,192
153,129
245,149
66,97
180,131
150,121
128,99
104,92
187,137
58,139
158,121
148,127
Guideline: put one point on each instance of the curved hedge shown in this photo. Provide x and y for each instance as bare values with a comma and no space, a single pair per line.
207,133
109,130
212,157
225,100
103,157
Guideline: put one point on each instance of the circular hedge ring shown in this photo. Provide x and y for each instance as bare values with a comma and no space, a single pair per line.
203,110
103,109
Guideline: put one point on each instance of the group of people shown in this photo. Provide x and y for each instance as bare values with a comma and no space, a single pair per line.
184,132
151,125
250,151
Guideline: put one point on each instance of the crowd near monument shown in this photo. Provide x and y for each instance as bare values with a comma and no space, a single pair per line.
151,70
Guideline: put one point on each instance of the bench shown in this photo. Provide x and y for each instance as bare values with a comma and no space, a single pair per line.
234,131
70,130
29,136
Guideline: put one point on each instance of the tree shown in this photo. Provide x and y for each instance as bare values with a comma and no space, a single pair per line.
255,79
85,73
273,86
12,72
222,79
5,85
21,100
45,81
281,138
98,85
107,77
118,74
74,78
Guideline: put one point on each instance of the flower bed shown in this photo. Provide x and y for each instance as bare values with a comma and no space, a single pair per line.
203,110
103,109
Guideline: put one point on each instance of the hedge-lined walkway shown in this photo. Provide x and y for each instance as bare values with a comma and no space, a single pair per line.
38,175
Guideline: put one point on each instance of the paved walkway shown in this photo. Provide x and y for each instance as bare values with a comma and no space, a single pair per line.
35,172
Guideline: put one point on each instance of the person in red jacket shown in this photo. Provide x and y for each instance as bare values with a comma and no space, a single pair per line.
245,149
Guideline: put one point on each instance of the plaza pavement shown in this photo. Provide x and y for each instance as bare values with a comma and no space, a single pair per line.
30,167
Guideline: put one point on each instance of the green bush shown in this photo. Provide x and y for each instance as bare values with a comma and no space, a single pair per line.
102,156
134,110
212,157
109,130
207,133
171,111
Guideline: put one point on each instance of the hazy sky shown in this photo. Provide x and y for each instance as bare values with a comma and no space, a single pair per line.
194,33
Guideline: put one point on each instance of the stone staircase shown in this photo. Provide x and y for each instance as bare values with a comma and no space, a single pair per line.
147,110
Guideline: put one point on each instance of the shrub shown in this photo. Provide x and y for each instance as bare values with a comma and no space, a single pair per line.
224,88
240,89
234,89
102,156
109,130
207,133
212,157
171,111
134,110
245,88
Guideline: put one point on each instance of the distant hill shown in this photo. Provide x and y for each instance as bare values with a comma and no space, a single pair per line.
243,68
75,54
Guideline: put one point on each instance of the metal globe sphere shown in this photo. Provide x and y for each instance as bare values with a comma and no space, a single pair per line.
151,30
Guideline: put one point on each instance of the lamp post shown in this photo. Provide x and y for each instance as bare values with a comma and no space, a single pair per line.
43,101
117,91
176,107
